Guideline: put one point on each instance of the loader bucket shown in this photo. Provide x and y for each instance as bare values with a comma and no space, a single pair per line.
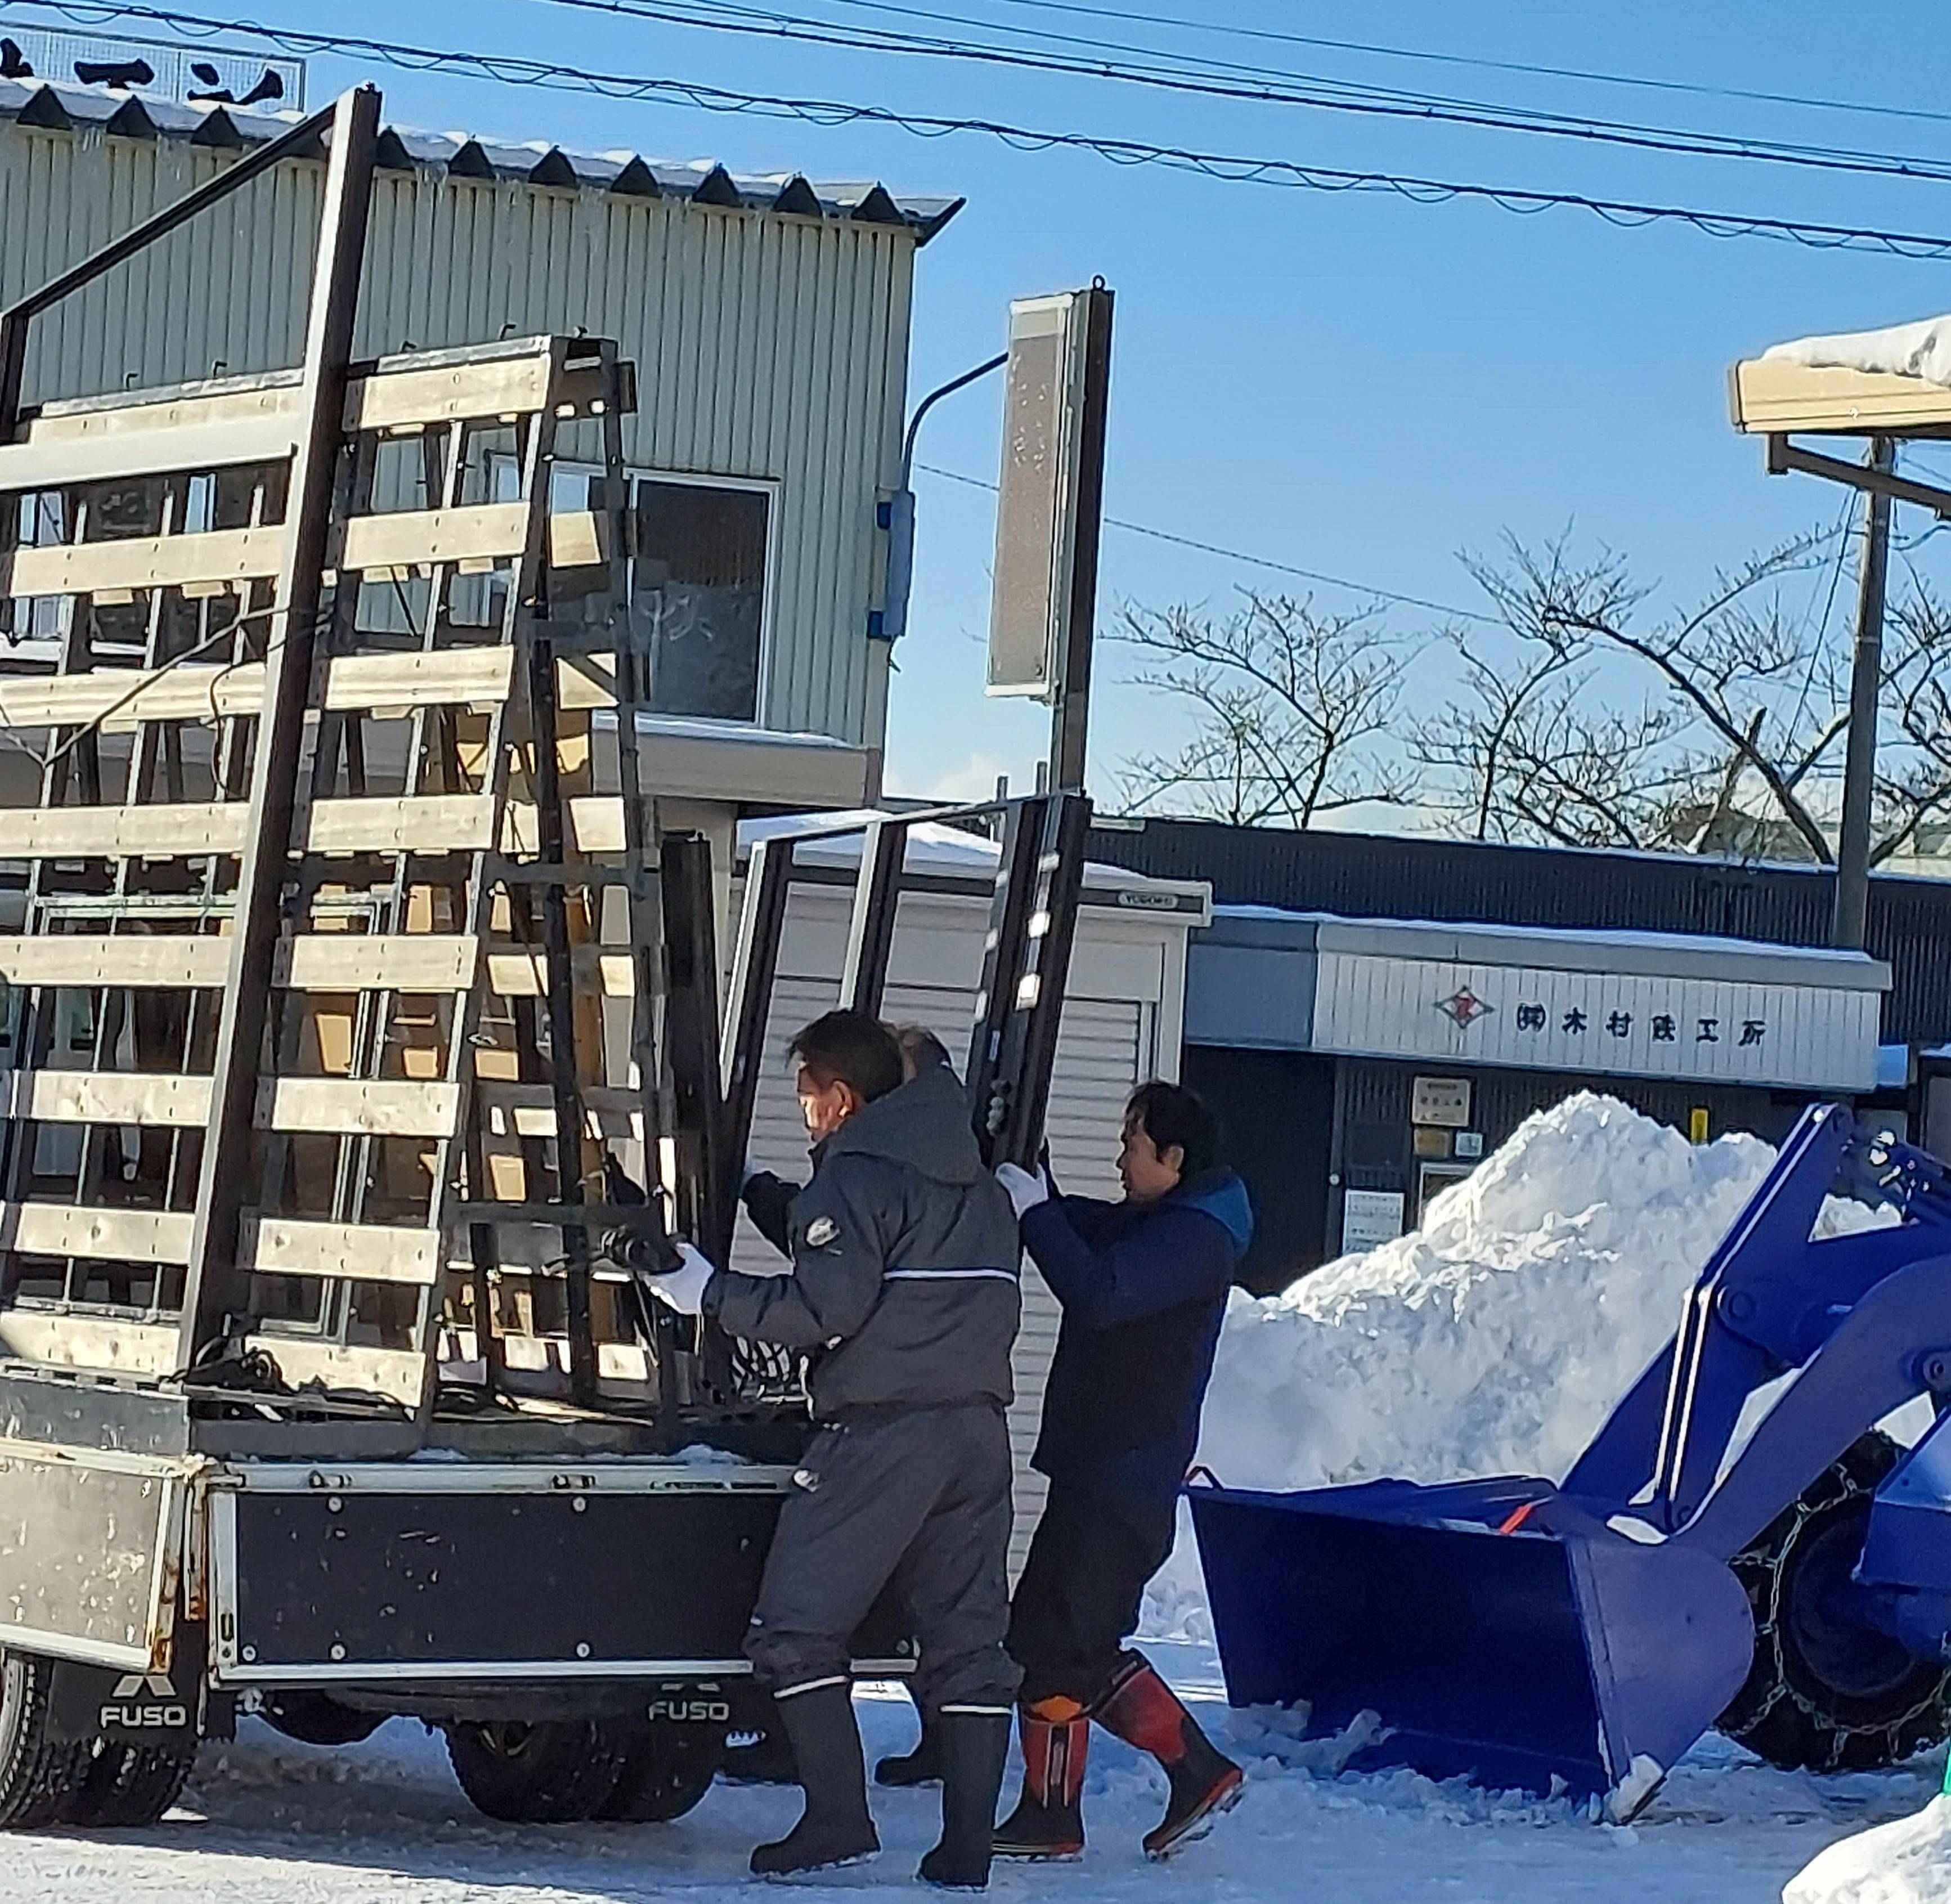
1561,1658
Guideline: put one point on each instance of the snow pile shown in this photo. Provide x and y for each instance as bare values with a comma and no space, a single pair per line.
1908,1862
1922,350
1497,1339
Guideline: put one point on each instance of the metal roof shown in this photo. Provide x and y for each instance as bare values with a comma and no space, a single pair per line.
128,115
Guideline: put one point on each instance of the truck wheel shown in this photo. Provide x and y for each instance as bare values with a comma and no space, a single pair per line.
130,1785
549,1773
1828,1691
38,1778
667,1770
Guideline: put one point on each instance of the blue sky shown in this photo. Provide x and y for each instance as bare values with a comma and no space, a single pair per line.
1351,383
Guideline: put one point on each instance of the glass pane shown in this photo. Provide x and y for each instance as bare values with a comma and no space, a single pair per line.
701,581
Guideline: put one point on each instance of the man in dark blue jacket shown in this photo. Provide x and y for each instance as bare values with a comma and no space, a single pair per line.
1143,1285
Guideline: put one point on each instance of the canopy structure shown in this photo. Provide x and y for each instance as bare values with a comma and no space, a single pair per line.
1895,382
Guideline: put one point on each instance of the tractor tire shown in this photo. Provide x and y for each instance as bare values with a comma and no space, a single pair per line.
667,1769
38,1779
553,1772
129,1785
1826,1693
317,1719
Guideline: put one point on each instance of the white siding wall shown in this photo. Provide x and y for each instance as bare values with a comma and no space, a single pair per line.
767,345
1114,1036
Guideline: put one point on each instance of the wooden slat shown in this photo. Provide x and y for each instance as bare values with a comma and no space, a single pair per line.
414,962
359,1107
116,1236
110,1345
109,832
490,533
120,698
410,399
88,959
595,824
522,974
104,453
164,1100
211,558
398,1374
278,1245
427,823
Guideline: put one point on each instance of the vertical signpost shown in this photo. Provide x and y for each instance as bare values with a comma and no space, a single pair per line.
1043,611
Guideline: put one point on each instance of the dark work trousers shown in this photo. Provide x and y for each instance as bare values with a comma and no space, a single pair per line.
1079,1599
922,1498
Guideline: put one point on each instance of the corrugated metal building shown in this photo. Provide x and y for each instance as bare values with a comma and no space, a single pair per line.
768,318
1373,1014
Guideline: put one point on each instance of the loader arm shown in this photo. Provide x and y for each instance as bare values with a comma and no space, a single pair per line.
1770,1300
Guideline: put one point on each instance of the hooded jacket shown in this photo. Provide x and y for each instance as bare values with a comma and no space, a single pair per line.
1143,1289
906,1261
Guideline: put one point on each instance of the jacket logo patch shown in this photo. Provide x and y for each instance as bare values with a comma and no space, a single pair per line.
820,1232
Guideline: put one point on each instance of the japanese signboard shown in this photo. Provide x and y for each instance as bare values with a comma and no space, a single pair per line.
1369,1217
1633,1024
1440,1100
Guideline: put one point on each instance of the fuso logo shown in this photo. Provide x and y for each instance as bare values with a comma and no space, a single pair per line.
130,1711
691,1712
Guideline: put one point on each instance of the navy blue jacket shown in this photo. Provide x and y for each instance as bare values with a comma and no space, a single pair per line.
1143,1289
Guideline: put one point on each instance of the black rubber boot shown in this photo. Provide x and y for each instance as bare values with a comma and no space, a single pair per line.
974,1745
1144,1711
835,1828
1048,1822
922,1766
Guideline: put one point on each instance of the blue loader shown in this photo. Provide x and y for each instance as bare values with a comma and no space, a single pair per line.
1578,1637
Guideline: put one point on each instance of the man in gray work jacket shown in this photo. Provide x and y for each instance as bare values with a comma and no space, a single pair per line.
904,1290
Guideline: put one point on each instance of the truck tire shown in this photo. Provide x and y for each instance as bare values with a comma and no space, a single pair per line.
130,1785
667,1769
552,1772
1827,1693
38,1778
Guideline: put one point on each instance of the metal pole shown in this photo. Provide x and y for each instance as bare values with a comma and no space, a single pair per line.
1853,852
216,1282
1070,715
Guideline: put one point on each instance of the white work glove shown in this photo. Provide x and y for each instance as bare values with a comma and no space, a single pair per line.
1025,1191
682,1289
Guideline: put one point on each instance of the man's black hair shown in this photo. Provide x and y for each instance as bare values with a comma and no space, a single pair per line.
852,1047
921,1050
1170,1114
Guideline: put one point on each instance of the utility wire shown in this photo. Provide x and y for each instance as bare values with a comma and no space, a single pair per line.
1304,90
1240,555
1228,167
1588,76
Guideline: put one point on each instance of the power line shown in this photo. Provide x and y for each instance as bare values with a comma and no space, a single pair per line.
1264,89
1227,167
1240,555
1235,29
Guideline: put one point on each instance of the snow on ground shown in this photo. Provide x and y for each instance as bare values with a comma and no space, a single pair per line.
1908,1862
1497,1339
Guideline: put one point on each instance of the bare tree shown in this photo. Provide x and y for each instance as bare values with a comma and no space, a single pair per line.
1736,743
1296,712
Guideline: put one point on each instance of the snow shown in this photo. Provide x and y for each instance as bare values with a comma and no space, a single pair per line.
1907,1862
1922,350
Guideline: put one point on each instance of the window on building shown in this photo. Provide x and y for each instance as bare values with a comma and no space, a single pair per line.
701,579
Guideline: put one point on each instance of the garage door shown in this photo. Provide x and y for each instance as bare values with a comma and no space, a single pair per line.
1103,1050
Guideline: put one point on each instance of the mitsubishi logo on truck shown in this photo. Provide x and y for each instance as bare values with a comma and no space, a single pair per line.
145,1702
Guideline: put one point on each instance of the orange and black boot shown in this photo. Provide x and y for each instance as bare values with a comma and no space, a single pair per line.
1048,1821
1144,1711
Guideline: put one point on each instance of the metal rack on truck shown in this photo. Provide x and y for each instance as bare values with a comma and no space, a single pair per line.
357,1044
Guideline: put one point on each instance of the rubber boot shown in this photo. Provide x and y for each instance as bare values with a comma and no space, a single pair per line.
835,1828
922,1766
1048,1821
974,1746
1144,1711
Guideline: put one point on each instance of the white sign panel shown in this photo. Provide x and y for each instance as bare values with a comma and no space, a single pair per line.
1636,1025
1369,1217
